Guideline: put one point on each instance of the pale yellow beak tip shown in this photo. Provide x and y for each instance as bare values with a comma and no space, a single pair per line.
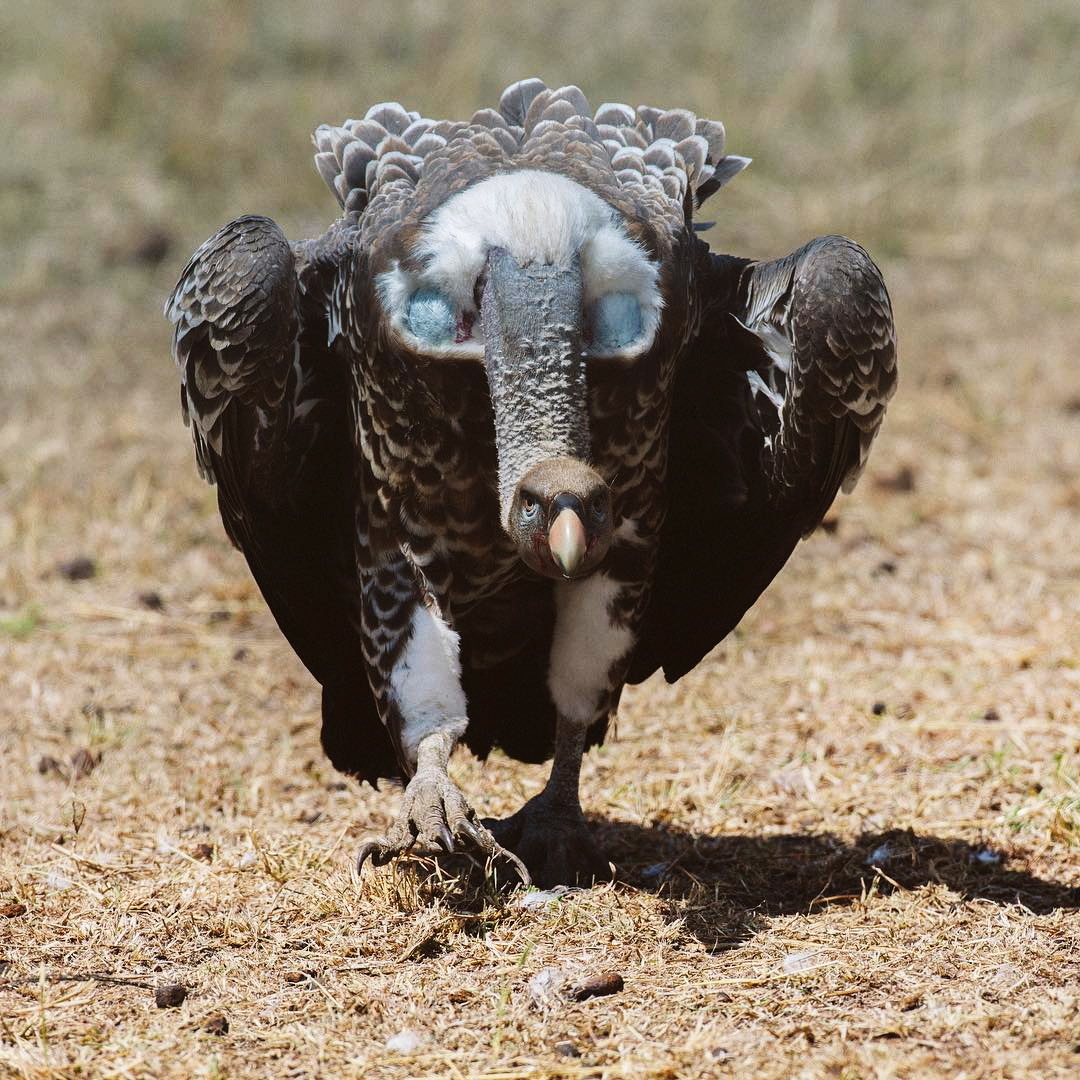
567,541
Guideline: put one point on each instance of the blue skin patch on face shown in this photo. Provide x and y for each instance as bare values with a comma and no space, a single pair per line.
431,317
616,322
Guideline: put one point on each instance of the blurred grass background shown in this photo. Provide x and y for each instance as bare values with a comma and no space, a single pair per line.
134,128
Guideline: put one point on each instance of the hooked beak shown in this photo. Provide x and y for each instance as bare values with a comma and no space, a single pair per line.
567,541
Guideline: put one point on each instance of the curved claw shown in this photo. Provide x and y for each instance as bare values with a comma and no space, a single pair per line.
367,851
521,869
469,831
556,845
445,838
479,837
380,851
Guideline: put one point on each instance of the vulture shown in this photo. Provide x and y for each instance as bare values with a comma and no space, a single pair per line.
509,436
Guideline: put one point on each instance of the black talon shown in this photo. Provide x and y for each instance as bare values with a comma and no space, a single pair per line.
367,851
445,839
469,831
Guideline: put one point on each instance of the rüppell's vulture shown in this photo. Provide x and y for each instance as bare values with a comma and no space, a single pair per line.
509,436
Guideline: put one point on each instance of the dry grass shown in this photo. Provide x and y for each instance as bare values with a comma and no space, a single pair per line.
847,843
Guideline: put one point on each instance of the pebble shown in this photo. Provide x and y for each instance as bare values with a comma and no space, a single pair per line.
216,1025
609,982
800,961
81,568
540,897
408,1041
170,996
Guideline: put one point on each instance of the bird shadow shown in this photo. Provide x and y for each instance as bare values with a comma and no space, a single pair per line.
722,887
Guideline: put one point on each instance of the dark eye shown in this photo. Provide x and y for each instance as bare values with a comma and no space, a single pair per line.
530,507
598,507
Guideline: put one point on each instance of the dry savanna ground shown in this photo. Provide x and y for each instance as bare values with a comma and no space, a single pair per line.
847,844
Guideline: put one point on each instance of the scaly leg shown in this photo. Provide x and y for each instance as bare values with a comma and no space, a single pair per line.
590,648
415,673
549,833
434,815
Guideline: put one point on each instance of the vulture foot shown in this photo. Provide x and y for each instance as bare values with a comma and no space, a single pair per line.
555,845
435,818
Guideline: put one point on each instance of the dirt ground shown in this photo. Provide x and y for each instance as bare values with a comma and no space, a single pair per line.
847,843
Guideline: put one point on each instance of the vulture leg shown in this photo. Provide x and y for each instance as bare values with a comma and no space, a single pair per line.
415,674
549,833
434,815
590,650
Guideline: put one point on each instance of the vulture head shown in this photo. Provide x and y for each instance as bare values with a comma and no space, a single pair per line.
536,277
560,518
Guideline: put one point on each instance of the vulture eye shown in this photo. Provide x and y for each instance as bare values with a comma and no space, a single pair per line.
598,508
431,317
615,322
530,507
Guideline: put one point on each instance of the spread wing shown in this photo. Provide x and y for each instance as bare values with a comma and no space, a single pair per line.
775,407
266,398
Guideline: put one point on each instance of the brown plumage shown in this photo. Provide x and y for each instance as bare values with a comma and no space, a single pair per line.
508,435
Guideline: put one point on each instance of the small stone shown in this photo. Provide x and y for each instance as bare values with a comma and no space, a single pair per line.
81,568
878,708
408,1041
205,852
12,910
903,480
880,854
216,1025
801,961
294,976
536,898
84,762
609,982
152,601
992,715
565,1048
170,996
546,987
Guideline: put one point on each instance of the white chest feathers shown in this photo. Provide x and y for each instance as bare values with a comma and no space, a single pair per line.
585,646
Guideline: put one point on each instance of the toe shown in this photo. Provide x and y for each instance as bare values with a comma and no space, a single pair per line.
379,850
474,834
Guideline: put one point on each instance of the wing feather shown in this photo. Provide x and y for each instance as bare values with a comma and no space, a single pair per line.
775,407
266,397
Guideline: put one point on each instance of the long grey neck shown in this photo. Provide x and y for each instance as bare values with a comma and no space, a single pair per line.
531,319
